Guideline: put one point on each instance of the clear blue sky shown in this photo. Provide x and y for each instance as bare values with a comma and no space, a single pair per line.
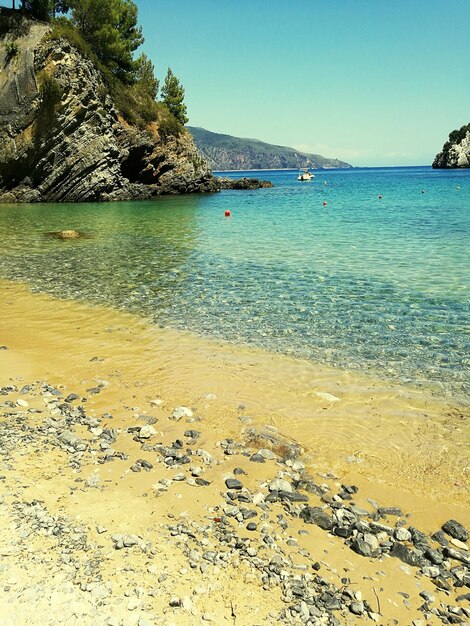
373,82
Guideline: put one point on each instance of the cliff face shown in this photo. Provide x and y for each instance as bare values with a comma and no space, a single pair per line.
61,138
225,152
456,151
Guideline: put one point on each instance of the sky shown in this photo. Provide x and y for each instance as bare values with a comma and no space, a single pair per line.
371,82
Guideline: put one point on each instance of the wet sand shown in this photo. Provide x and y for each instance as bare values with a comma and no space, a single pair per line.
400,446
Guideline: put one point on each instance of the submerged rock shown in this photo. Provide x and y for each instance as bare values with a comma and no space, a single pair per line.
66,234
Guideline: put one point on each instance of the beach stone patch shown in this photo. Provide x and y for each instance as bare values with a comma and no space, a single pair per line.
251,531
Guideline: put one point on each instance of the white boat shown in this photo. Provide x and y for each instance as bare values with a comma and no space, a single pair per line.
305,174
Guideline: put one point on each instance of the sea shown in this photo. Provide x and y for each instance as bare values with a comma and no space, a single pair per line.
362,269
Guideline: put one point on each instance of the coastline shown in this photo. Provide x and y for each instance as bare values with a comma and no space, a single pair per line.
400,447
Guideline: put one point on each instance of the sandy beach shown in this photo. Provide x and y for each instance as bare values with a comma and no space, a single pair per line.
154,477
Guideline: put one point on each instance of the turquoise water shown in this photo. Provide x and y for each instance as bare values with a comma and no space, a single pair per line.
364,283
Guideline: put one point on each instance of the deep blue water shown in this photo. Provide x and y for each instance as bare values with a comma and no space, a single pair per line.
380,285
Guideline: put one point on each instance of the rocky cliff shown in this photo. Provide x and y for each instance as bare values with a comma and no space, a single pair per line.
225,152
456,151
61,137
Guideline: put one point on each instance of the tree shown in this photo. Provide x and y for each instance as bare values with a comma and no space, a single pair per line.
37,8
44,9
173,97
110,27
145,75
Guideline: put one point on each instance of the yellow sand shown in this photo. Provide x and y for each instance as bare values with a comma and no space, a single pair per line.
401,446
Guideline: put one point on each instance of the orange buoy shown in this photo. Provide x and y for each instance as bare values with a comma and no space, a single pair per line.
227,213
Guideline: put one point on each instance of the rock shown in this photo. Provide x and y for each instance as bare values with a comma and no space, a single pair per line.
146,432
66,234
407,555
315,515
431,571
390,510
267,454
428,597
457,555
357,608
402,534
242,183
233,484
367,546
284,447
327,396
456,530
257,458
180,412
279,484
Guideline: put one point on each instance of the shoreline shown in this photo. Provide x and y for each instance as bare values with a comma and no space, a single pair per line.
136,373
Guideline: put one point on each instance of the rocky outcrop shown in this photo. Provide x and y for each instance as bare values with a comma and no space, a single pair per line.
455,152
243,183
62,139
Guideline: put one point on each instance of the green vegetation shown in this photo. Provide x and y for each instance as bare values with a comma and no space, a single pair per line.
51,94
12,49
456,136
173,97
107,32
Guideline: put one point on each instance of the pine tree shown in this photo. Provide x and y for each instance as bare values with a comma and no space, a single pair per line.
173,97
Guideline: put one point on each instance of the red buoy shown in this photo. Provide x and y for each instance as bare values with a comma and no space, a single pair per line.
227,213
324,204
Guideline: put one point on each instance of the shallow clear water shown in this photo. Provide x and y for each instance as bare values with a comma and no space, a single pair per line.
364,283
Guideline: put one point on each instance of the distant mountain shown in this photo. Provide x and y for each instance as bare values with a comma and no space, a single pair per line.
225,152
